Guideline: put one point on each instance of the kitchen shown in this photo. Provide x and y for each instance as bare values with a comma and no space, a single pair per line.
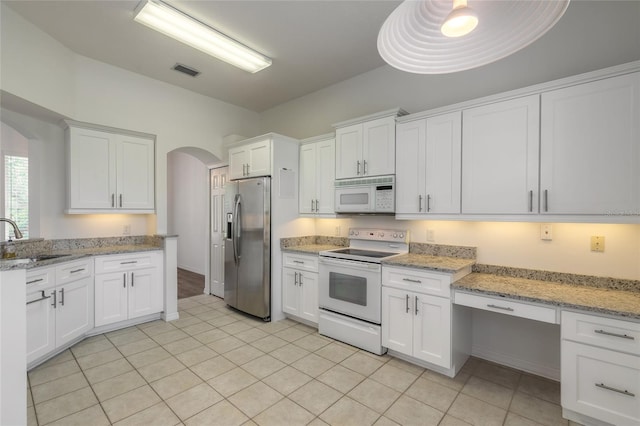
131,101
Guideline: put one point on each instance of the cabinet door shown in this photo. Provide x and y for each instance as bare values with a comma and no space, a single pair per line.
432,329
74,313
349,151
145,292
397,320
238,160
91,169
135,173
590,155
290,292
41,325
325,176
443,163
500,157
308,172
259,163
308,286
379,147
110,298
410,170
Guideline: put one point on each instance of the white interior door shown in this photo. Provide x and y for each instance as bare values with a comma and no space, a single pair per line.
216,275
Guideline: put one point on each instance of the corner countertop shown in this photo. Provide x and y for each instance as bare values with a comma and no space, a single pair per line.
430,262
607,301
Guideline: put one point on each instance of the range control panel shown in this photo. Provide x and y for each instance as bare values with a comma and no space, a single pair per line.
372,234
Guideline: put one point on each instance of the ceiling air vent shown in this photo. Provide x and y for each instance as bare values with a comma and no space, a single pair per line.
186,70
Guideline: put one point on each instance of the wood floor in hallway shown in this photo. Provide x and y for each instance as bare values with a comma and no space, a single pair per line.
189,284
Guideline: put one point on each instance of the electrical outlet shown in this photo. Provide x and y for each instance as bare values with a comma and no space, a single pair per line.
546,232
431,235
126,230
597,243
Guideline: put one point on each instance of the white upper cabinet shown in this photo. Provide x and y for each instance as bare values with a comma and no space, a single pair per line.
366,148
500,157
251,160
317,174
590,148
109,171
428,165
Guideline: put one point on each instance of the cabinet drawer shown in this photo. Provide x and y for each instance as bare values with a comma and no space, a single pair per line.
115,263
301,261
39,279
437,284
507,306
600,383
73,271
608,333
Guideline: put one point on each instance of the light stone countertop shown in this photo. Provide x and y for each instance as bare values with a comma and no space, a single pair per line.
433,263
620,303
310,248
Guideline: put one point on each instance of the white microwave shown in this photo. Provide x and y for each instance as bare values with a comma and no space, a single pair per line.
367,195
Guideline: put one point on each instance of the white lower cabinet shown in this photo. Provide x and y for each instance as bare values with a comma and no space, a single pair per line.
600,369
127,287
300,286
59,306
418,319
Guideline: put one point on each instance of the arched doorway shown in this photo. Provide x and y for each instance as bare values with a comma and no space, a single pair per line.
189,211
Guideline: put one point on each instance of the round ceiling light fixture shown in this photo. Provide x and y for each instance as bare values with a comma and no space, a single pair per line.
412,38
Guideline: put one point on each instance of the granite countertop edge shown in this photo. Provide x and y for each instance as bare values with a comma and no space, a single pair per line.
430,263
75,254
515,294
310,248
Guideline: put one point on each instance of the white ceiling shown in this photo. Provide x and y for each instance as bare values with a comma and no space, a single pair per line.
313,44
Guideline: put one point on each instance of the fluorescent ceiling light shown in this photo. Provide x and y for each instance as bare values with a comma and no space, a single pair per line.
170,21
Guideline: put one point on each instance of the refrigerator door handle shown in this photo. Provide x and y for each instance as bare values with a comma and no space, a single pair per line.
237,229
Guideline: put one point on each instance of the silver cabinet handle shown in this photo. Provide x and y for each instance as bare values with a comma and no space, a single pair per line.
38,300
124,280
531,201
62,296
624,392
358,167
419,202
428,202
248,169
300,279
416,301
128,262
76,271
55,299
295,278
608,333
37,280
364,167
504,308
407,304
317,206
120,200
312,205
546,200
133,278
113,200
412,281
299,262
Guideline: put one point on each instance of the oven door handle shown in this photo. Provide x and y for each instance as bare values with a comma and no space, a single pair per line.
349,263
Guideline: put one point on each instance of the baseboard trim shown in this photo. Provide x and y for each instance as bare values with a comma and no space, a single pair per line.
517,363
170,317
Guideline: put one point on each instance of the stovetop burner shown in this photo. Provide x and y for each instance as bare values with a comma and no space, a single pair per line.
365,253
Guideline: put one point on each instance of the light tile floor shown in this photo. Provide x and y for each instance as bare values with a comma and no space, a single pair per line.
215,366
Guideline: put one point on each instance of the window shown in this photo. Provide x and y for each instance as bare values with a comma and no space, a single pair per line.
16,194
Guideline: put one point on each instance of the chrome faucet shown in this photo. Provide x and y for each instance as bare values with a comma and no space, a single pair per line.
16,231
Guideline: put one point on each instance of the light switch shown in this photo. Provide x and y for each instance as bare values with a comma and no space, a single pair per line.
597,243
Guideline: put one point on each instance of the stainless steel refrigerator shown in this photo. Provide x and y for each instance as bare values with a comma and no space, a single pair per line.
247,260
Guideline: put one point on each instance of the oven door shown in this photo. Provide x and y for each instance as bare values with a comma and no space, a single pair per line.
355,199
351,288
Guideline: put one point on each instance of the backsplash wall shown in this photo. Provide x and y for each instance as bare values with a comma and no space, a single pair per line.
518,244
